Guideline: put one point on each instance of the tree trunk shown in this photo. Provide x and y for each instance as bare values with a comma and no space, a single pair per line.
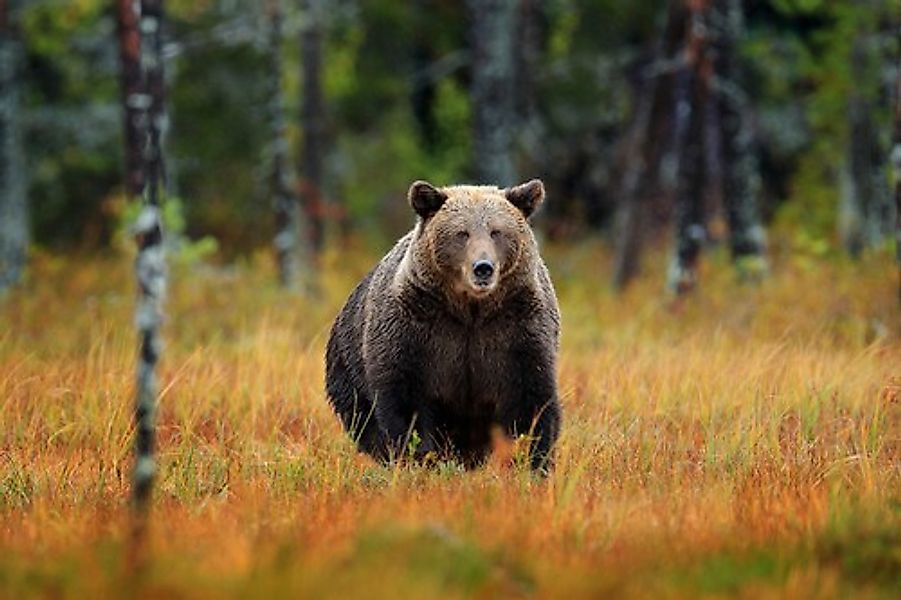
692,86
630,217
283,184
157,120
740,172
867,205
150,265
312,123
853,222
639,153
423,91
492,90
529,34
13,190
134,100
896,165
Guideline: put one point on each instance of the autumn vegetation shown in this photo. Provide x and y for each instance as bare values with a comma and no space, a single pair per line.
743,441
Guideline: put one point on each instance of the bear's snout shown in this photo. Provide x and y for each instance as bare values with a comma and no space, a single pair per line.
483,269
482,275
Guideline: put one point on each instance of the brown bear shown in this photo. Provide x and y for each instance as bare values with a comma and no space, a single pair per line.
454,332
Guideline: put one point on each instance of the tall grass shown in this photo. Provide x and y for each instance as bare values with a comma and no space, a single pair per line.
743,441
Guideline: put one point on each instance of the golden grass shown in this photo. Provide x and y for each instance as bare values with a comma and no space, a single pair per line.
744,442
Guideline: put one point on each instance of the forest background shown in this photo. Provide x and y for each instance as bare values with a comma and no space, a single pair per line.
724,181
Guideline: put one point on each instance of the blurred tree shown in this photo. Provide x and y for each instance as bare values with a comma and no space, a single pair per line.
691,92
288,244
641,148
152,59
423,90
740,170
220,127
896,156
715,144
586,62
150,264
72,120
313,122
867,201
491,34
529,44
14,230
134,100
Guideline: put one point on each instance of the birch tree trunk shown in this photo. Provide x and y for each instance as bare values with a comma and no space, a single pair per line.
13,190
740,171
492,90
312,123
150,265
283,184
692,86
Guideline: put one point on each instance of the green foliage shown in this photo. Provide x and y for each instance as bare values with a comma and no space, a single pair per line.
17,487
413,443
434,558
803,79
798,52
798,6
381,165
865,548
217,142
71,119
728,574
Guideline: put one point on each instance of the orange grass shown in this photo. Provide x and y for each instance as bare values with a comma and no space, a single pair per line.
745,441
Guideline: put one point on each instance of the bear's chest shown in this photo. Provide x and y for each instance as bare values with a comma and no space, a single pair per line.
468,367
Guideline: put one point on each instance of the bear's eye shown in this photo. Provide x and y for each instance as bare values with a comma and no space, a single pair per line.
462,235
495,233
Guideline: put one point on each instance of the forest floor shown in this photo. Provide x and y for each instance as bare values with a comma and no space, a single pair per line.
743,442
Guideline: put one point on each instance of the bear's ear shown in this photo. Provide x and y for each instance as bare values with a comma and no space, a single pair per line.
527,197
425,198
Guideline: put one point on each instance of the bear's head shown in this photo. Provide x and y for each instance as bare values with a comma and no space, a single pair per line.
471,238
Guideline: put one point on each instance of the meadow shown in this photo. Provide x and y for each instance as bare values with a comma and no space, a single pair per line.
741,442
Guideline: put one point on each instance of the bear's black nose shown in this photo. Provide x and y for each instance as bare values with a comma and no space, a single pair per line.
482,269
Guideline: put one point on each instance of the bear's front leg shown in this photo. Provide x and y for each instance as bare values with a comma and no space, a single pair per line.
394,415
533,409
399,420
540,421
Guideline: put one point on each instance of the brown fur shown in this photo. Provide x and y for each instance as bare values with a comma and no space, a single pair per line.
427,343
